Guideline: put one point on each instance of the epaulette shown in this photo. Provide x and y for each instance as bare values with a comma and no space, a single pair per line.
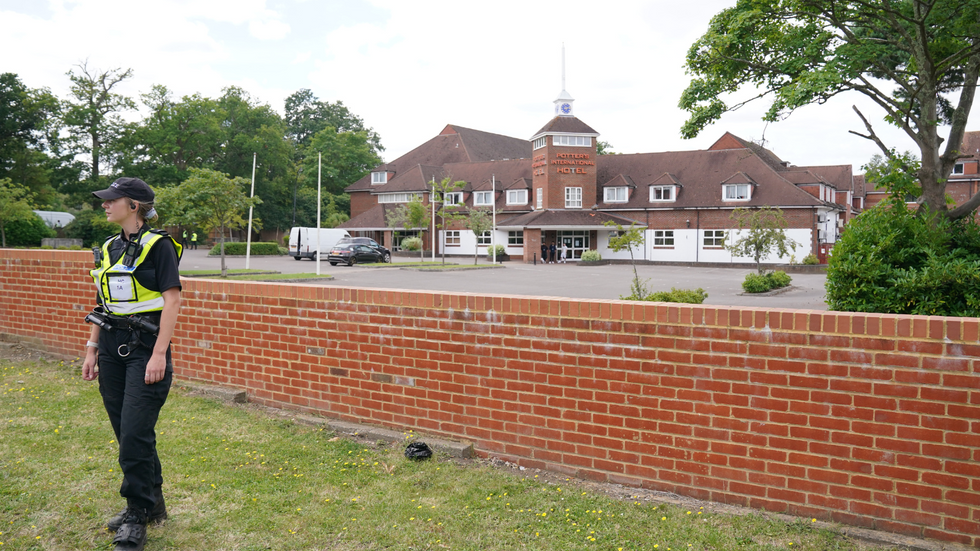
160,232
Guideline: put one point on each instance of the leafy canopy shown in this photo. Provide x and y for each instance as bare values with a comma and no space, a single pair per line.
918,60
15,205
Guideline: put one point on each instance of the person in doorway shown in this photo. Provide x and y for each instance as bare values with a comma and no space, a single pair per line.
136,275
564,252
551,250
544,252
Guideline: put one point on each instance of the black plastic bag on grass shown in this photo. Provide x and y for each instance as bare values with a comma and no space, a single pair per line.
418,451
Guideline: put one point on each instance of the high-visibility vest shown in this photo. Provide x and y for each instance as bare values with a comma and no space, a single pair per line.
119,291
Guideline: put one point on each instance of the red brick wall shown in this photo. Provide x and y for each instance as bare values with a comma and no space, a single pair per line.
866,419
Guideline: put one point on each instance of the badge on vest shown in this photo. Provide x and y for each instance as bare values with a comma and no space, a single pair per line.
121,288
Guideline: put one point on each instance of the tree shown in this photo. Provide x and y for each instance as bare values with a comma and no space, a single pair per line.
95,110
210,200
910,57
629,239
306,116
412,215
15,205
766,235
28,126
604,148
346,158
448,212
478,221
175,136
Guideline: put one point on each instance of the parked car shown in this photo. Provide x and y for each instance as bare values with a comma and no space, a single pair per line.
352,253
370,243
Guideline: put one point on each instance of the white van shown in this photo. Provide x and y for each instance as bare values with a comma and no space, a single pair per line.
303,241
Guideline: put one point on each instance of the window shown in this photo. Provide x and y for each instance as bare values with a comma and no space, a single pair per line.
661,193
958,168
663,238
398,197
483,198
714,238
515,238
573,198
616,195
452,238
517,197
612,235
540,198
484,239
540,142
379,178
453,198
736,192
573,141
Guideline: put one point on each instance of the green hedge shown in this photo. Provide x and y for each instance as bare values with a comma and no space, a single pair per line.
411,244
28,232
891,260
258,249
591,256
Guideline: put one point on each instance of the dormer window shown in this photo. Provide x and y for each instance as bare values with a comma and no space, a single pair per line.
516,196
958,168
736,192
482,198
616,195
378,178
661,193
453,198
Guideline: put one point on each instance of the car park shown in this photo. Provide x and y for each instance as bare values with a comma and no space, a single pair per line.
353,253
385,253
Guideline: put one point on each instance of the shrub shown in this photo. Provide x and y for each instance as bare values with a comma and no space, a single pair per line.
810,259
591,256
687,296
755,283
411,244
238,248
501,251
892,261
27,233
778,279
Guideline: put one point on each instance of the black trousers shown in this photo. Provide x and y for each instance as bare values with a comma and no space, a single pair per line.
133,408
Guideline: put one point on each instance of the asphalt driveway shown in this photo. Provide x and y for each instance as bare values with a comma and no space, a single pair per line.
556,280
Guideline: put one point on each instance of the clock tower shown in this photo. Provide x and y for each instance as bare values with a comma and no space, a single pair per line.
563,105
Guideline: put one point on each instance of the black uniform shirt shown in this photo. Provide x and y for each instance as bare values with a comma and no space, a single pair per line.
158,271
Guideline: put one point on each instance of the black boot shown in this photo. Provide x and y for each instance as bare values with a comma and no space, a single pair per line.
157,514
131,536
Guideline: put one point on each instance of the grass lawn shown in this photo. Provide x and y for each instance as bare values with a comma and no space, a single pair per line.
237,478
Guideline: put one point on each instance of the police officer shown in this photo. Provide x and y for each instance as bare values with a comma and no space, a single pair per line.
139,295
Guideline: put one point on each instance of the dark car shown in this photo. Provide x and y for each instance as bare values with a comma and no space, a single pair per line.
352,253
385,253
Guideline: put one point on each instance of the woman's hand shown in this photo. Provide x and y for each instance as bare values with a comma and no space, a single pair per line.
156,368
90,368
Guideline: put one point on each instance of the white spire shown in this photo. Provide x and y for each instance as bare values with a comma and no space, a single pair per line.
563,105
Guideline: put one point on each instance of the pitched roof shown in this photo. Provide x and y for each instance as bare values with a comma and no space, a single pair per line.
700,174
731,141
565,125
374,218
455,144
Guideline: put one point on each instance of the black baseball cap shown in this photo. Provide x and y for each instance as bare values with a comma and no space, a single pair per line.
134,188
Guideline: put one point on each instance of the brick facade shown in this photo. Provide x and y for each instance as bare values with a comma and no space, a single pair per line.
866,419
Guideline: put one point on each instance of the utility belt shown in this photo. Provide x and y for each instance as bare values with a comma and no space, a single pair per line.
135,324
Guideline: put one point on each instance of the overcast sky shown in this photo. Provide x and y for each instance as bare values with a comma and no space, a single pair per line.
408,68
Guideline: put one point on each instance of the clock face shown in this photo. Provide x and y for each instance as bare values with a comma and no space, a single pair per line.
566,108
